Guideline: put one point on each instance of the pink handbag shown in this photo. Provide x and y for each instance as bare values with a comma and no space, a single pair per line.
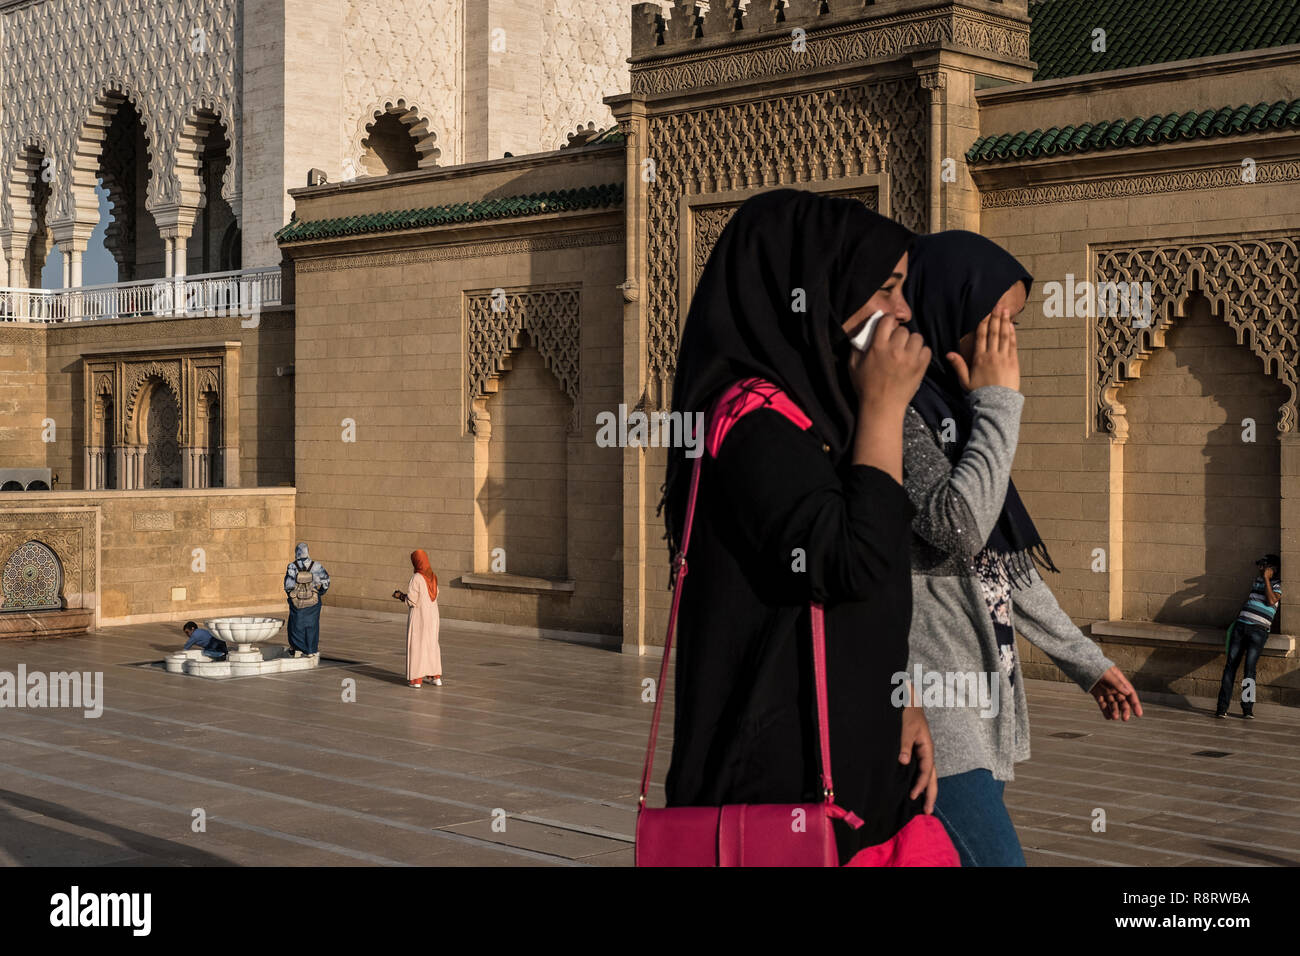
779,834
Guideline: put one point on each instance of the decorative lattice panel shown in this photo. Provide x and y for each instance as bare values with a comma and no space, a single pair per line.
1253,283
552,319
787,140
32,579
707,225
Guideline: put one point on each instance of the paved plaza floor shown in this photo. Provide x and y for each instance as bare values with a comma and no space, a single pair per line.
530,754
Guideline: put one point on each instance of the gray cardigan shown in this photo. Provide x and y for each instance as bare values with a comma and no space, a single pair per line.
957,506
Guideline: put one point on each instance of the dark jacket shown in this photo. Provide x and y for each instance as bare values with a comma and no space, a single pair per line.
775,526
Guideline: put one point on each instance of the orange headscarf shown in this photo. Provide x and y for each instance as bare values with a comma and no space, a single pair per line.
420,561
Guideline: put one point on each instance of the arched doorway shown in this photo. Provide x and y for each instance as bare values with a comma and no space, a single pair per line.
162,460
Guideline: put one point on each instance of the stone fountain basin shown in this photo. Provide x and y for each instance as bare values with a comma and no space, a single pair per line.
245,630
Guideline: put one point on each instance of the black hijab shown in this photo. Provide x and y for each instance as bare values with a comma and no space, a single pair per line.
953,281
742,321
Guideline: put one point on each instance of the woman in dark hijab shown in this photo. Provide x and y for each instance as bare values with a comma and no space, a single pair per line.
789,514
974,546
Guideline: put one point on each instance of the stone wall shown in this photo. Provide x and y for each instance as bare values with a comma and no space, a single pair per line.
1132,456
407,432
1064,462
125,553
22,387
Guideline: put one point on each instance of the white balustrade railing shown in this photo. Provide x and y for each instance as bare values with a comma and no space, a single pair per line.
244,293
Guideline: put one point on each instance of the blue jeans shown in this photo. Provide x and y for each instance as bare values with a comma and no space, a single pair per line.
971,809
1247,640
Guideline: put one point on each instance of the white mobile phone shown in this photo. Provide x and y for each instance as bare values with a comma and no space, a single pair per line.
862,341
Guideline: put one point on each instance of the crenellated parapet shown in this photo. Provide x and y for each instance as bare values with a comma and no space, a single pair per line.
680,45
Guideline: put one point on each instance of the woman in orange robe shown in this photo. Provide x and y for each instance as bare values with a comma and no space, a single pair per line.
423,655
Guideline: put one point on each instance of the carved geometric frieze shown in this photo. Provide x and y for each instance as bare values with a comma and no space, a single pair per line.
228,518
877,129
153,521
551,317
680,65
1139,185
1253,283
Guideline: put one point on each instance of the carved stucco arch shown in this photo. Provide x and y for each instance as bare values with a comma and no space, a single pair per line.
141,382
20,215
1252,284
551,317
417,124
207,112
74,197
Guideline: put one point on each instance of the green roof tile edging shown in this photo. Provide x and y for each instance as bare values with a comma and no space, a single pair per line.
1144,32
482,210
1122,134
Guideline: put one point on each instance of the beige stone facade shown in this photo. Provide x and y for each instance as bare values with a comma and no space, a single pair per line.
1139,442
460,316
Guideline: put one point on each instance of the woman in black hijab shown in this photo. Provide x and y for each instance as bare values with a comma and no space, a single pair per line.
974,547
788,515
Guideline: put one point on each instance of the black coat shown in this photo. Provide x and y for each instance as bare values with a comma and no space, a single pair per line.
745,712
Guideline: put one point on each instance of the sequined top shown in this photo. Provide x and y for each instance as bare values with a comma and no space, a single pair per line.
953,634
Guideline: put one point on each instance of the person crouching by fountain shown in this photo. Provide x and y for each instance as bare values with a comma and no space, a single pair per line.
305,582
200,637
423,655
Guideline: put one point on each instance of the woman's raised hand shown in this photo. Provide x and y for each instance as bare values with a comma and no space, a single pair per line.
995,360
888,374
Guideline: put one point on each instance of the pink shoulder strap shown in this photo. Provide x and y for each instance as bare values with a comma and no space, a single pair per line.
749,395
737,401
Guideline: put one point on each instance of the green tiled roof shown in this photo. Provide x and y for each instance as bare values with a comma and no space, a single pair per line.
507,207
1141,32
1120,134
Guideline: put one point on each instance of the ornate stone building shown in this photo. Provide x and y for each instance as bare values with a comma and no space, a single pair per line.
459,298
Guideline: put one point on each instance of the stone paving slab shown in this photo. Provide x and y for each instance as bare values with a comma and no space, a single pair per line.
291,774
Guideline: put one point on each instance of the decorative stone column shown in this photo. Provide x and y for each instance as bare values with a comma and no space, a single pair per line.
73,237
96,467
631,115
13,244
936,82
480,427
175,223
